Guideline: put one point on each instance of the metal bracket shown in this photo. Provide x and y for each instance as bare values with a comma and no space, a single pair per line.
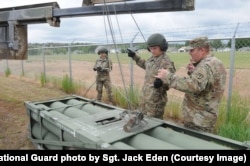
13,43
13,27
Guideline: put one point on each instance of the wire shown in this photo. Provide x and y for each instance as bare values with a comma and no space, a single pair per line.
89,88
110,68
105,27
119,28
138,27
118,59
136,24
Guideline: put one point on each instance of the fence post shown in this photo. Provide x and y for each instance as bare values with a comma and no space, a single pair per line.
44,66
7,64
231,72
22,67
70,71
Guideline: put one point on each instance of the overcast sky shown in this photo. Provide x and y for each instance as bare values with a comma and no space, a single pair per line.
209,16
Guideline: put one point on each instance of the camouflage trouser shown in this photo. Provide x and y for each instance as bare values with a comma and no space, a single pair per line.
108,87
200,120
153,110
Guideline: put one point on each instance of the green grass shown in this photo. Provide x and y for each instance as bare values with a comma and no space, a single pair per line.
7,72
179,59
67,84
242,59
42,79
239,132
56,82
173,108
129,100
233,124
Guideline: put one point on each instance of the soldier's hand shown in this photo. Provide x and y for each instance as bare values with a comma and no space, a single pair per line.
99,69
158,83
162,73
190,67
94,69
132,51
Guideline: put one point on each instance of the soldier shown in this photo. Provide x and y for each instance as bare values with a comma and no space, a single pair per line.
204,87
103,66
152,100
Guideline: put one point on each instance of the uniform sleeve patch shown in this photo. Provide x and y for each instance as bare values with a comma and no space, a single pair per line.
199,76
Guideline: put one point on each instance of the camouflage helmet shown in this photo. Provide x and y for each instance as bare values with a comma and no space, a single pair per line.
102,50
157,39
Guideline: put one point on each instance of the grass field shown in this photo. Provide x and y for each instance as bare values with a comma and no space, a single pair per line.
242,59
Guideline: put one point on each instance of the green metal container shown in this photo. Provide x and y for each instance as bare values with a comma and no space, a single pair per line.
74,122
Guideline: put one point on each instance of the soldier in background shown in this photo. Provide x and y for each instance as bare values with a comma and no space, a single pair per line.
103,66
203,88
152,100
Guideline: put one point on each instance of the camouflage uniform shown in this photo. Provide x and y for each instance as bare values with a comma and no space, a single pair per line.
152,100
103,78
203,89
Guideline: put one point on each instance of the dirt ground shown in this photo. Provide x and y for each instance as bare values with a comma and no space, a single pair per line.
13,117
14,90
82,72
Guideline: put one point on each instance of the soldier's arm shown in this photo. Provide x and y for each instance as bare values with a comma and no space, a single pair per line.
197,82
108,67
171,68
140,62
95,66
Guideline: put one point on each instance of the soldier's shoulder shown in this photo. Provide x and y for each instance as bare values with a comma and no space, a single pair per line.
150,58
165,58
212,60
167,61
213,63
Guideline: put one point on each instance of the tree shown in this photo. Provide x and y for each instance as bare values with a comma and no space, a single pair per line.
61,50
216,44
239,43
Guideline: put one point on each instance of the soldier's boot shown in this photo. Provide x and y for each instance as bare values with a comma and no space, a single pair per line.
99,97
111,100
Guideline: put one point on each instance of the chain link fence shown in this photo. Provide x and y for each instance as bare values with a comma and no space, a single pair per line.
231,44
